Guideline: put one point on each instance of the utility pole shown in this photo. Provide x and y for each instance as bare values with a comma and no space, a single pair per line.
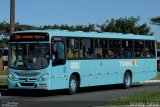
12,16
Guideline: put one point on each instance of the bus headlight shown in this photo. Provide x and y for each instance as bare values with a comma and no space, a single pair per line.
12,77
44,77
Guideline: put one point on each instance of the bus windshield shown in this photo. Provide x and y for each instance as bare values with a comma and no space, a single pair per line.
29,56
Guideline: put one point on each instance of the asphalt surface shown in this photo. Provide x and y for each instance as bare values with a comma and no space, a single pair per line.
87,97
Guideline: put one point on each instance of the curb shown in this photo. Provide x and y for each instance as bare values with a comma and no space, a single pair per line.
151,81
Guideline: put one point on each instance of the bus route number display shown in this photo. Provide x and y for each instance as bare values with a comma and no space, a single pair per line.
29,37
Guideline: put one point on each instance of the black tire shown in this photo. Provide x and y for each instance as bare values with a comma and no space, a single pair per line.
73,85
127,80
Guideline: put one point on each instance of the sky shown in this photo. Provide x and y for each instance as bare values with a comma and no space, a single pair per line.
80,12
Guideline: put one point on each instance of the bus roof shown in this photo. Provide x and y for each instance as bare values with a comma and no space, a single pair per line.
65,33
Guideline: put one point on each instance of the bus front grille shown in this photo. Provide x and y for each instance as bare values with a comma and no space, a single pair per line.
27,74
28,79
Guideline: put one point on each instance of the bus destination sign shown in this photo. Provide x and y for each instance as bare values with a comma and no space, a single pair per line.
29,37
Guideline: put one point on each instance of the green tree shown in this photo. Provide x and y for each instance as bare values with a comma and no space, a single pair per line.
3,43
125,25
121,25
156,20
85,28
4,28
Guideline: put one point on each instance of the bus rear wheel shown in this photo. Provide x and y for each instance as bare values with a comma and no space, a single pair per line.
73,85
127,81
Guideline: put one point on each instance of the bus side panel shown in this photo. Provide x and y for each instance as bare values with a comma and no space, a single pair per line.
103,72
145,70
112,71
97,72
59,77
106,72
86,70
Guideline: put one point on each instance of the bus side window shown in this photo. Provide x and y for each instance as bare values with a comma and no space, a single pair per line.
69,54
149,49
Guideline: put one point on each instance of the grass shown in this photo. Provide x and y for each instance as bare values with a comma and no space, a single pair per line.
3,84
145,98
3,81
151,96
2,72
158,77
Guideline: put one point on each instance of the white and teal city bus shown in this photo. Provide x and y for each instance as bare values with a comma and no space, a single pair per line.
59,59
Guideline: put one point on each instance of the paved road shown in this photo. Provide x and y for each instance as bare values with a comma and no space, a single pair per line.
86,97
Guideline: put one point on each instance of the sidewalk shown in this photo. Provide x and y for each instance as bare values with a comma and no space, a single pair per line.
151,81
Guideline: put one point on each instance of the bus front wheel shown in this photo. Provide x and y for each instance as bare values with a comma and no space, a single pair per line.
127,81
73,85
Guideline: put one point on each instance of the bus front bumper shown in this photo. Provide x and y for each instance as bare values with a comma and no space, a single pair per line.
42,85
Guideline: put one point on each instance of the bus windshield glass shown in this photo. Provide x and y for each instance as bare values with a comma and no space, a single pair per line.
29,56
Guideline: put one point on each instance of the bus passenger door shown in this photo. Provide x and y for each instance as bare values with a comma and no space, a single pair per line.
58,64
